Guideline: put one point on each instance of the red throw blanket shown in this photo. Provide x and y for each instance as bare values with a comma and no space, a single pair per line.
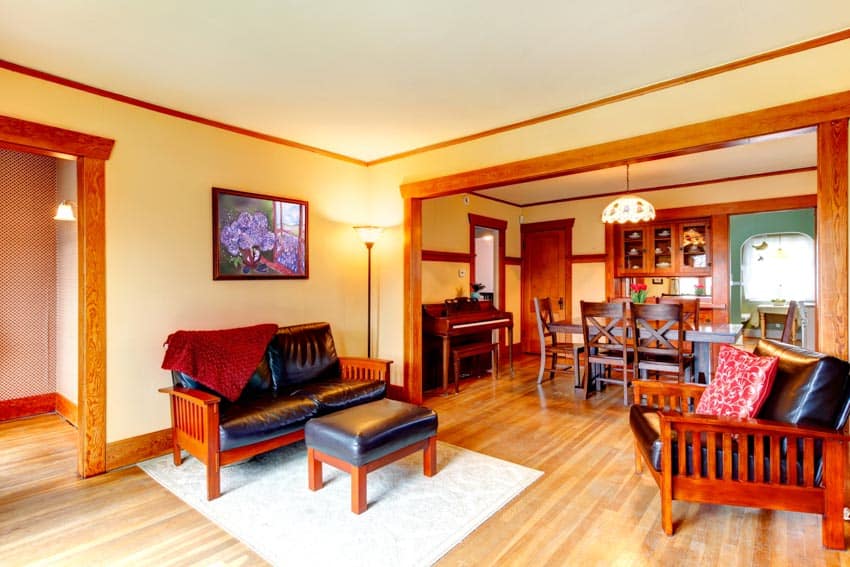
221,360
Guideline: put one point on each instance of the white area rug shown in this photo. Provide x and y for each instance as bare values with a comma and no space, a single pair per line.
411,519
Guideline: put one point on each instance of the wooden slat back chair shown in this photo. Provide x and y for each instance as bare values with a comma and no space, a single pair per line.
789,330
690,310
551,347
690,316
605,332
657,329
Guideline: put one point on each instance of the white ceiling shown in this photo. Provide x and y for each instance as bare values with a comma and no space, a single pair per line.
750,157
377,77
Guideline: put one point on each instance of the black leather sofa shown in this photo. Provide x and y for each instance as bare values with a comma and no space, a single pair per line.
790,457
300,377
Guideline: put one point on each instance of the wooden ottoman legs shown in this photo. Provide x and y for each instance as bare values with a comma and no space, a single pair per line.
358,474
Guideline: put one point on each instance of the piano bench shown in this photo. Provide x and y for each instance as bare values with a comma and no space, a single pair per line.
474,349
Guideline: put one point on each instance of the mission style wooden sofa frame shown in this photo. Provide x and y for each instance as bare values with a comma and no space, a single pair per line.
738,473
263,420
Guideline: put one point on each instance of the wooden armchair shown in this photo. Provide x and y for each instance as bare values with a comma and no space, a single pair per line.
762,463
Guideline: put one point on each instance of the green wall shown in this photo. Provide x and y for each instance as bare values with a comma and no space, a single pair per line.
741,227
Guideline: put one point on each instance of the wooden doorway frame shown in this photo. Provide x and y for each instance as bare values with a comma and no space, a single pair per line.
91,153
829,113
501,226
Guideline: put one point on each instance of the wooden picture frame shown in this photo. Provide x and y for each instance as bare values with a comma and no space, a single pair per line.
258,236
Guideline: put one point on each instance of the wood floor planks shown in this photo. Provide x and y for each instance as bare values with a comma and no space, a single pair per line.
589,508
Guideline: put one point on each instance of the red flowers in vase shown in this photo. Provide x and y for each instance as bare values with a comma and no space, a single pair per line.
638,292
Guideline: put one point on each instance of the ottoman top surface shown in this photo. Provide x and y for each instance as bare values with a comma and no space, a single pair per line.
364,433
371,418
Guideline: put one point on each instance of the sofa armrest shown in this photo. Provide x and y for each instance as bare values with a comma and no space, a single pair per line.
762,446
192,396
682,397
358,368
751,425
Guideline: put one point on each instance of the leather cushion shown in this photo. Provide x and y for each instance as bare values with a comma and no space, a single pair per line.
365,433
262,417
300,353
335,394
740,384
810,387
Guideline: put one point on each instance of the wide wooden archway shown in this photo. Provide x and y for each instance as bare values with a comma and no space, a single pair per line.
828,113
91,153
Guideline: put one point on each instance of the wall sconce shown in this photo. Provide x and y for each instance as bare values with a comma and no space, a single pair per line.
65,212
369,235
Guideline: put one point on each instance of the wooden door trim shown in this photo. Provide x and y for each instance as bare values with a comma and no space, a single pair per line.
832,225
91,153
413,300
500,225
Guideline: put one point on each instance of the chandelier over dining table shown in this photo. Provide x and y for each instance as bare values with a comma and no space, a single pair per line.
628,208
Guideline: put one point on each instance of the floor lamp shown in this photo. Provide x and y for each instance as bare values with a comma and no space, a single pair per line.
369,235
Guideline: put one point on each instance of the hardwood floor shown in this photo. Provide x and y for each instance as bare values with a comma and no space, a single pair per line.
589,508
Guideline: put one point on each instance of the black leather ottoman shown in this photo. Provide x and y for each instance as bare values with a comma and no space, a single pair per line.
364,438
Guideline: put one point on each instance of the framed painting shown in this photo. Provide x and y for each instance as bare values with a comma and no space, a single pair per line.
258,236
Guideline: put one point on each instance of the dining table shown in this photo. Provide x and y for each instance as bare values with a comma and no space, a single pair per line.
702,339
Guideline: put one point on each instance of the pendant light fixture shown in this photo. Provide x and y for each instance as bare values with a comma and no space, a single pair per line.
65,212
628,208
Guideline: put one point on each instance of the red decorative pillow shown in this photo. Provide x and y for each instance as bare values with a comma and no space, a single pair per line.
740,384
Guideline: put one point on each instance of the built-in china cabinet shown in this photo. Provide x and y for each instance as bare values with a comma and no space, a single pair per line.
680,248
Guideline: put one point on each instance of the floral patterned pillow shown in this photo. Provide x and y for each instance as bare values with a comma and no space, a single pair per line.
740,384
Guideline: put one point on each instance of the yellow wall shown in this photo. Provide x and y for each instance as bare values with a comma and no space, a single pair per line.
159,237
445,228
158,211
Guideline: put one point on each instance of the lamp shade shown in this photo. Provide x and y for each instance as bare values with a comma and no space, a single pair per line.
65,212
368,234
628,208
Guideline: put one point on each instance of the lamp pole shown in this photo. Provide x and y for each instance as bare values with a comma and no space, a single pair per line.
369,299
368,234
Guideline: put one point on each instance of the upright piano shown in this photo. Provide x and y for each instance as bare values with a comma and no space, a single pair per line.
453,323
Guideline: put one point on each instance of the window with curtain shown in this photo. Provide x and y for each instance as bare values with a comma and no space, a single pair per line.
778,266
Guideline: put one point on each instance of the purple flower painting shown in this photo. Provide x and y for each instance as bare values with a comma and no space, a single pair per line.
258,236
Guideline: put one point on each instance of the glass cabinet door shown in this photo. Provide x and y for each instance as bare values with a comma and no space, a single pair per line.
662,248
634,249
694,246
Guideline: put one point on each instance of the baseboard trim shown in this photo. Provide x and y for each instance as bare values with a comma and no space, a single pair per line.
67,409
134,449
25,407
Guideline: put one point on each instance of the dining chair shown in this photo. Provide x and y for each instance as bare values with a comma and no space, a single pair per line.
789,329
690,309
605,333
658,348
551,347
690,317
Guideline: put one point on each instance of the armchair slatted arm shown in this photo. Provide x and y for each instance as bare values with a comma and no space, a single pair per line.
194,427
357,368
